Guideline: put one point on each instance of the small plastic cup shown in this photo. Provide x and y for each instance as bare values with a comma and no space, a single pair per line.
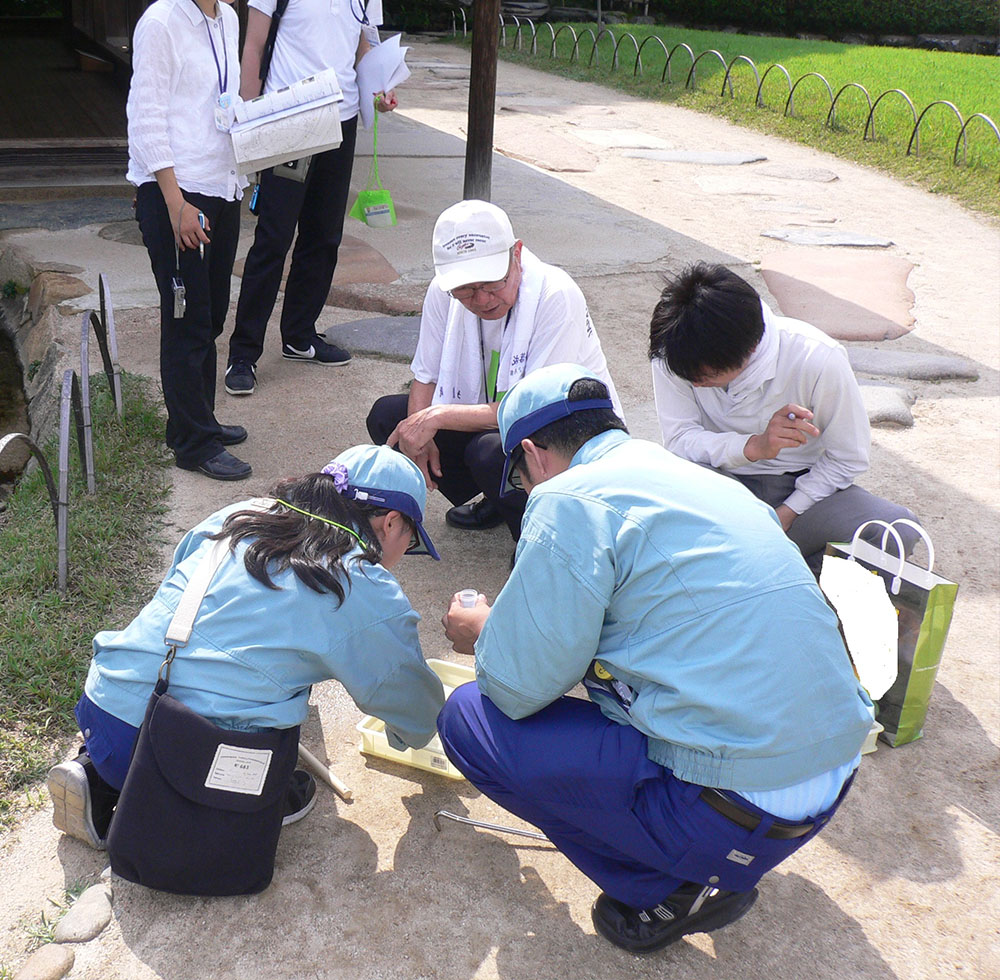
467,598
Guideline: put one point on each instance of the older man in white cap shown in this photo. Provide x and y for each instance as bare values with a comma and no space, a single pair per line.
493,314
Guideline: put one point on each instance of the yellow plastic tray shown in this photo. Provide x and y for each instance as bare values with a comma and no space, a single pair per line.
431,757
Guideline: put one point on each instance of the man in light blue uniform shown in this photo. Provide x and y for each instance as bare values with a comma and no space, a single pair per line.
725,722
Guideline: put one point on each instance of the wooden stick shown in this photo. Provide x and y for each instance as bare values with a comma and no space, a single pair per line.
324,773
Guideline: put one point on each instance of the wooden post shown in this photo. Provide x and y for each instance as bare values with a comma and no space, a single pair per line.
482,100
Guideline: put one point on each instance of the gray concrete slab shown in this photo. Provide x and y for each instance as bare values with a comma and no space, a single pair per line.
816,174
826,236
387,336
711,158
907,364
887,404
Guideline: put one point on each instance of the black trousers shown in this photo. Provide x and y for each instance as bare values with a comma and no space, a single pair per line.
471,462
316,206
187,345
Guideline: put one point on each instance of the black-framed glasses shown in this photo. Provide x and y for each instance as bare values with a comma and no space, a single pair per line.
463,293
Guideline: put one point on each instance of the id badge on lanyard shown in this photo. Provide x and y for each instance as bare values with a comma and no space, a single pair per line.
224,112
224,108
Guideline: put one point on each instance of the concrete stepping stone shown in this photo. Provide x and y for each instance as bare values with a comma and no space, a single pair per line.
554,153
826,236
848,295
792,207
394,337
887,404
50,962
394,299
908,364
88,916
713,158
621,139
815,174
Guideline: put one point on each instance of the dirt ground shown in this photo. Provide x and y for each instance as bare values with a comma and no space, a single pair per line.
902,886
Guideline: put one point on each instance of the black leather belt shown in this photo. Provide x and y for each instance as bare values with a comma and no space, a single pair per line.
751,821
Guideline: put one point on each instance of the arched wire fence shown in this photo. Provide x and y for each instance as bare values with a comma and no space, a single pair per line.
614,42
74,406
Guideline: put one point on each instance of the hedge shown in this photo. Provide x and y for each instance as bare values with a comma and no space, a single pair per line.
835,17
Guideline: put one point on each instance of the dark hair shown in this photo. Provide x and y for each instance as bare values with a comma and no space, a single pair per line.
708,320
281,538
567,435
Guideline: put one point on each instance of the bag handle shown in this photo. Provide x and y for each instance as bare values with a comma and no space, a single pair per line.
916,527
889,529
182,621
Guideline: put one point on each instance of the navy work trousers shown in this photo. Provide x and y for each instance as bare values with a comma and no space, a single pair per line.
471,462
316,207
586,782
187,345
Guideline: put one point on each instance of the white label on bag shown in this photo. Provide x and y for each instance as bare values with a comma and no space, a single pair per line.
238,770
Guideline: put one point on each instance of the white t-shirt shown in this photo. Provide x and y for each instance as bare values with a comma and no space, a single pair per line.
562,331
314,35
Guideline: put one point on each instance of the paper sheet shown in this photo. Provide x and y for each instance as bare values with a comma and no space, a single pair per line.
380,70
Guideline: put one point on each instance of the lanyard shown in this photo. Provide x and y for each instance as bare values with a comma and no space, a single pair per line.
363,4
490,396
223,76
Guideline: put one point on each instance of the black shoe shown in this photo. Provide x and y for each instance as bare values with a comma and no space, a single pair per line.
241,378
232,435
692,908
301,797
480,516
318,352
82,803
223,466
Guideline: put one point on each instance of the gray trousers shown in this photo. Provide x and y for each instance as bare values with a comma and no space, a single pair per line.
834,518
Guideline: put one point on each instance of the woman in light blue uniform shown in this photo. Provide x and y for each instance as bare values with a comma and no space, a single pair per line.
305,595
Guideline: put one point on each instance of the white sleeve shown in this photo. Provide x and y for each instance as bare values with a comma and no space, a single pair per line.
154,69
266,7
682,424
426,363
839,414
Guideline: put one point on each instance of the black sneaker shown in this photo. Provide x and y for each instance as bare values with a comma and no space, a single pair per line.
692,908
241,378
82,803
319,352
301,797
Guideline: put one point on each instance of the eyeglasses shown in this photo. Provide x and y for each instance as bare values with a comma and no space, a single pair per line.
463,293
514,473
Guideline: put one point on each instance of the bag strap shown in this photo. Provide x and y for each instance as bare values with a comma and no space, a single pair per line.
916,527
268,50
182,622
889,529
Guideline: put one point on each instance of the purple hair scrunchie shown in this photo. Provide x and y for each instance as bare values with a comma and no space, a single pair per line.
339,473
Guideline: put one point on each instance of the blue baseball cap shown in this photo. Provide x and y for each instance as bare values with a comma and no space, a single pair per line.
536,400
387,479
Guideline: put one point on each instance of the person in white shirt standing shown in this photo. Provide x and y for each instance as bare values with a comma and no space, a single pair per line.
185,79
311,196
494,313
768,400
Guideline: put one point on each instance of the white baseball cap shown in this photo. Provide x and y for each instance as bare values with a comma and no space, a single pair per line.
472,240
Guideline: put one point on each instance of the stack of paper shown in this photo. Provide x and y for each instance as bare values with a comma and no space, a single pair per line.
289,123
381,69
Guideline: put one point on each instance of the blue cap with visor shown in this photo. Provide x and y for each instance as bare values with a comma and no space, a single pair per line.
387,479
536,400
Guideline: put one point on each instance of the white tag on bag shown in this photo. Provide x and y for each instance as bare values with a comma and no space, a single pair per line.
238,770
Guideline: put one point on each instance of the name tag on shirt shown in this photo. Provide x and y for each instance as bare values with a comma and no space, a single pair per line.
370,32
224,112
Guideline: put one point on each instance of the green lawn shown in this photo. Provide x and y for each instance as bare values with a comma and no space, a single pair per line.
970,82
45,638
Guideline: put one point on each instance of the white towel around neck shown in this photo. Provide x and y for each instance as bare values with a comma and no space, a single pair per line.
460,378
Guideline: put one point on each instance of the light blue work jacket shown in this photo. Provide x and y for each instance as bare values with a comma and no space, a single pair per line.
684,588
254,651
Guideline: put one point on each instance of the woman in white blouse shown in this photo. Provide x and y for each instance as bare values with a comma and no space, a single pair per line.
185,81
